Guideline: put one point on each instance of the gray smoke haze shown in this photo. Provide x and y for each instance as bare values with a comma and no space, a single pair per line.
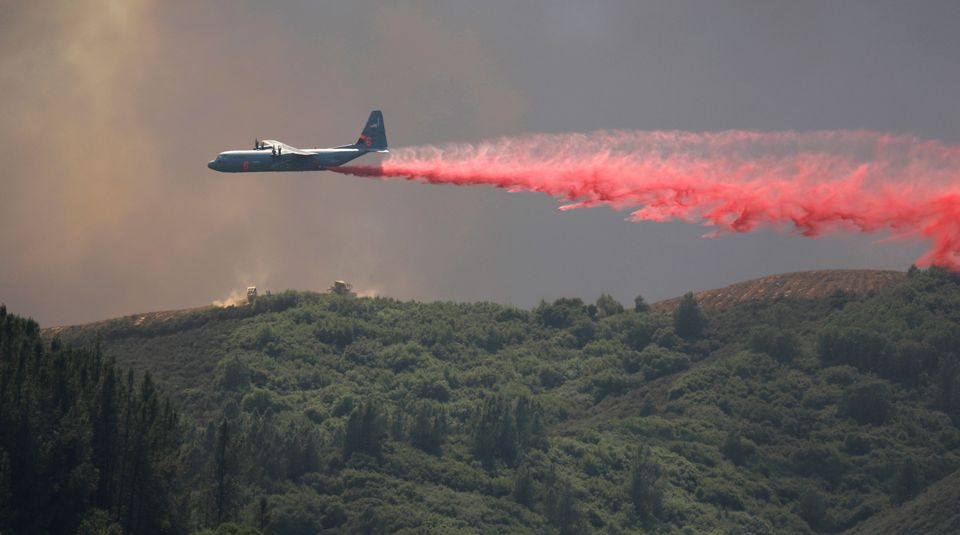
111,108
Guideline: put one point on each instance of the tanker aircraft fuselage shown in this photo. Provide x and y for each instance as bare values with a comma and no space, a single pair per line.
273,156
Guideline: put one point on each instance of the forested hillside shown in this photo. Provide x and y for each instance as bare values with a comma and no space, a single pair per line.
307,413
83,447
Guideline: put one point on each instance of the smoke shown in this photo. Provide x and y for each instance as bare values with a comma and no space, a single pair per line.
235,298
738,181
111,109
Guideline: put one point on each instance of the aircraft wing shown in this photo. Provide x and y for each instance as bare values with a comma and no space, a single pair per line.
284,148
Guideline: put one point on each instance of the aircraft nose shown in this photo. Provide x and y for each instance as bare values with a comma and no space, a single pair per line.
211,165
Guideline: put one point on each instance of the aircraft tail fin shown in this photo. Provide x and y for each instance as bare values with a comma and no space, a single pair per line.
374,136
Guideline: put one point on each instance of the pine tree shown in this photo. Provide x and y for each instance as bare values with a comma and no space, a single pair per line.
523,487
506,432
263,513
561,507
646,487
485,430
640,304
733,448
83,437
397,425
906,482
948,395
364,432
429,427
688,320
812,508
104,438
224,465
504,429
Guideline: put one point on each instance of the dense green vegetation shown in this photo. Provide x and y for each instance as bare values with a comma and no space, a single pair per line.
306,413
82,447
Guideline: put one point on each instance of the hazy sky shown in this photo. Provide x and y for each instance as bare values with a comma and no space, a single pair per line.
111,108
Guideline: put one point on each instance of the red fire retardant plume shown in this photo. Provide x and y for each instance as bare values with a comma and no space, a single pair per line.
815,183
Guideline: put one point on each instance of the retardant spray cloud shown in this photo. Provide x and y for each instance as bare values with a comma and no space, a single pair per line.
737,181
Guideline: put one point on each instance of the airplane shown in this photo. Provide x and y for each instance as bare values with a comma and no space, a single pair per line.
271,155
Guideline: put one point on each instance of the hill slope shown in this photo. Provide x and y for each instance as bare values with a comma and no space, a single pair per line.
815,284
934,512
190,340
790,415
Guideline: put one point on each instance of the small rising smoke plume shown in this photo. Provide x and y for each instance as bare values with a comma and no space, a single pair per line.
235,298
737,181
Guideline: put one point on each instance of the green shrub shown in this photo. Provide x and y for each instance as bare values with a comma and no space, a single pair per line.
611,383
550,377
720,493
658,362
260,400
814,460
856,444
867,402
780,344
608,306
560,314
812,508
861,348
735,449
305,513
234,374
